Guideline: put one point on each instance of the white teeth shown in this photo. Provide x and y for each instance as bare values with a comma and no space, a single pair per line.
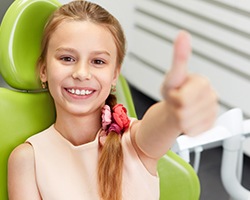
80,92
88,92
83,92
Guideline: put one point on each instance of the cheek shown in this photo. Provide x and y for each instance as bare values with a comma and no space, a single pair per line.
54,71
53,76
108,79
53,84
105,81
106,84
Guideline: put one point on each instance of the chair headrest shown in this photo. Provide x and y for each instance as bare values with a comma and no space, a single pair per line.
20,37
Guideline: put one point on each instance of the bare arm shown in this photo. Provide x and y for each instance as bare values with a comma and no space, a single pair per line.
21,174
189,106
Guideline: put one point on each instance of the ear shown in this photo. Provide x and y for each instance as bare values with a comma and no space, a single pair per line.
116,75
43,73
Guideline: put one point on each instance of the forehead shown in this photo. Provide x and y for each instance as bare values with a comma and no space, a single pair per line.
83,34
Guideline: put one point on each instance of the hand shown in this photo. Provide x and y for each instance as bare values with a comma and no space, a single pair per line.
192,101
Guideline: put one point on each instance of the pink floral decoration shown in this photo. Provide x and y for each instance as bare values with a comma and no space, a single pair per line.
116,128
120,116
115,120
106,116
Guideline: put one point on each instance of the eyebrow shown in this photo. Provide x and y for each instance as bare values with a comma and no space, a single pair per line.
65,49
100,52
68,49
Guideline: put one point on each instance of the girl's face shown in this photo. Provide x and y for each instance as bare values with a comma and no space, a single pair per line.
80,66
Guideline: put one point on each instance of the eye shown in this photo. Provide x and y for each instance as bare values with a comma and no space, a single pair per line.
98,62
67,59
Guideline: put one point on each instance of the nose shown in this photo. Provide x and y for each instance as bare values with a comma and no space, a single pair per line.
82,72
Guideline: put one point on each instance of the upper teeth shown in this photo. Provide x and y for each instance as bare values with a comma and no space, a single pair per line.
80,92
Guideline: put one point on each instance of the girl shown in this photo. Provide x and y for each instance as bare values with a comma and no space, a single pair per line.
93,150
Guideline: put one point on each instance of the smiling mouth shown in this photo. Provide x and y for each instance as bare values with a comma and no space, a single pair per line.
80,92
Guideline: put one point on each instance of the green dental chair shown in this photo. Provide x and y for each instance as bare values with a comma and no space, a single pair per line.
26,109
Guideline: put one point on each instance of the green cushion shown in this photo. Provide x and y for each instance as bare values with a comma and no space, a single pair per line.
20,38
178,180
124,96
21,115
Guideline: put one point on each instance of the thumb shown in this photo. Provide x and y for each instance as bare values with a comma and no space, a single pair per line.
178,72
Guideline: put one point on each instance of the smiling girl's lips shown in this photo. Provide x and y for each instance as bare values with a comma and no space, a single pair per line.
80,92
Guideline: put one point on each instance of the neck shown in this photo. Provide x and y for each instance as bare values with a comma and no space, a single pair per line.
78,129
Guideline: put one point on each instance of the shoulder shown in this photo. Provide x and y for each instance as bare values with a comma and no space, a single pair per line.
22,155
21,173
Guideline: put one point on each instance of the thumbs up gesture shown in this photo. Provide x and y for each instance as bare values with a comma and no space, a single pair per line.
192,100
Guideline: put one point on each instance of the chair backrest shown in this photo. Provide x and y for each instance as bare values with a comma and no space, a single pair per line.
25,109
178,180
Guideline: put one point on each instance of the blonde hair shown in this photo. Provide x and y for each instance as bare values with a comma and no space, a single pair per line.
111,159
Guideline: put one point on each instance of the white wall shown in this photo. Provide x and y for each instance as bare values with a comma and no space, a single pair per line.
64,1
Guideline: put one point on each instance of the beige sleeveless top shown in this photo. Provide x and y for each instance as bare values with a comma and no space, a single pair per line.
65,172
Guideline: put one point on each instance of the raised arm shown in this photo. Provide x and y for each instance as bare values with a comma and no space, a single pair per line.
189,106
